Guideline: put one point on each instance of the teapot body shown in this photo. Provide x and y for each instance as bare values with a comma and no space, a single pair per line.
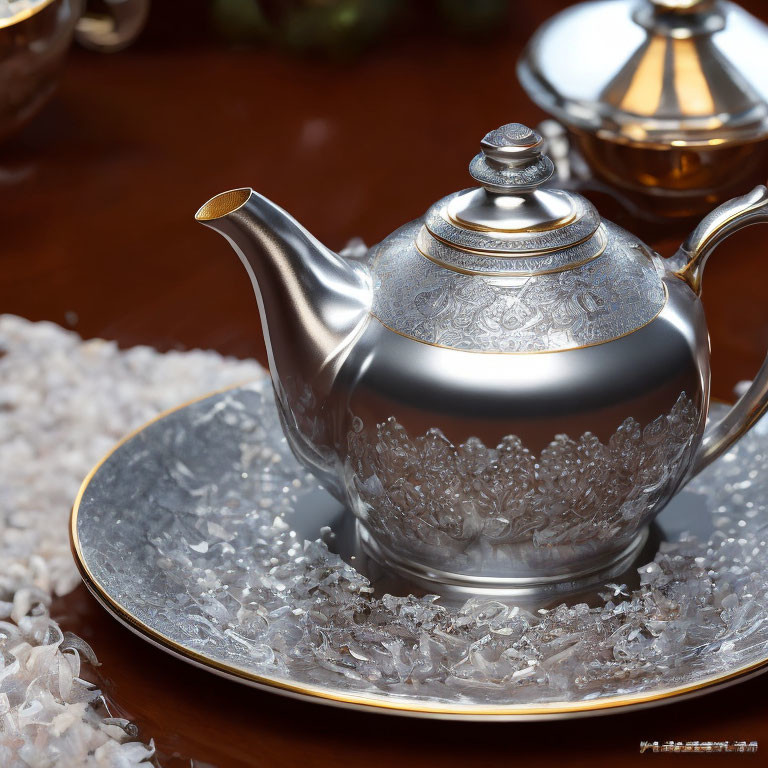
512,469
506,391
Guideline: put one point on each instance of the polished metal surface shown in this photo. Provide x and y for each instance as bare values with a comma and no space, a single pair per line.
520,467
665,99
516,419
642,72
714,228
511,158
443,223
313,304
692,258
509,213
199,533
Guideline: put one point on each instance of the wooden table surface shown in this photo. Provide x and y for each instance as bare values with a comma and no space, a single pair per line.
98,197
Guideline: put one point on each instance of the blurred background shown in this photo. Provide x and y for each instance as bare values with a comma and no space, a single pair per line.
355,115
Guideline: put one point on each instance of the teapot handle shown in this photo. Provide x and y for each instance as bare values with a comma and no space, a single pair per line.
728,218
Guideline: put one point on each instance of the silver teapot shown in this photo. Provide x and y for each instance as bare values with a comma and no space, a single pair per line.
505,391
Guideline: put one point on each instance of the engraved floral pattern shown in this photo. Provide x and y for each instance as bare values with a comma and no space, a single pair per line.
536,173
604,299
577,490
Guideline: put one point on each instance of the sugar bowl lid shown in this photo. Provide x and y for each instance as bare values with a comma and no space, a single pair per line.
653,72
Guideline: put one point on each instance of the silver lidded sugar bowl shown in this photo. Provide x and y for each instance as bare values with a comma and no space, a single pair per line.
666,100
35,36
505,391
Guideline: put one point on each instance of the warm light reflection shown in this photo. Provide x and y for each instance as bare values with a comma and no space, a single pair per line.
644,93
691,87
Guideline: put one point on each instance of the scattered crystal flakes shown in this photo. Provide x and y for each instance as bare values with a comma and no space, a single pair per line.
63,404
50,715
268,596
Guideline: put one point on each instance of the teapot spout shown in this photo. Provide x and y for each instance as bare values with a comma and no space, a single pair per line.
311,299
313,304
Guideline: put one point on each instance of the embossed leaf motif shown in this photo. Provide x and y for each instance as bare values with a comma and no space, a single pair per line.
592,303
519,316
502,488
624,445
508,134
576,491
476,293
430,303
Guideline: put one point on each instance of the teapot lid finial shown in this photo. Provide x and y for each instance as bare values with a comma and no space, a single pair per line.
511,208
511,159
512,212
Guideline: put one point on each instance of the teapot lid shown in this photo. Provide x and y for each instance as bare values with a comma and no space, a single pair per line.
512,267
509,224
653,72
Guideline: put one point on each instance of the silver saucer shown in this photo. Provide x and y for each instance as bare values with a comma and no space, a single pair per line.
202,534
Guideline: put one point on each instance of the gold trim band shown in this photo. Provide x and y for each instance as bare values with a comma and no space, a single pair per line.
457,221
511,254
512,273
